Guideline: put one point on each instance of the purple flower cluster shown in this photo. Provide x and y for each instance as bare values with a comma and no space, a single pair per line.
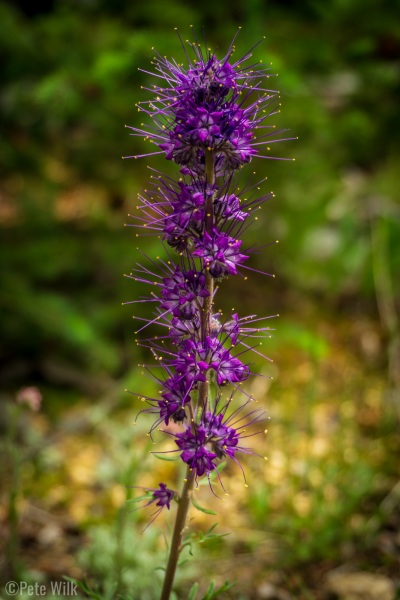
209,118
214,438
210,104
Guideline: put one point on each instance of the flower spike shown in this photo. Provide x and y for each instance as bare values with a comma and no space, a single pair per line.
211,117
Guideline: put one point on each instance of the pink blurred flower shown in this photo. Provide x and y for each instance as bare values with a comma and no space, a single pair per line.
31,397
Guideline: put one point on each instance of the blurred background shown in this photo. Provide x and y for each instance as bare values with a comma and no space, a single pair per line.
322,515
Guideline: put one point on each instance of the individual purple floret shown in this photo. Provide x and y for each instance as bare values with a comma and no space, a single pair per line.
194,452
208,80
163,496
224,439
182,293
190,361
180,328
176,390
230,327
220,252
227,207
189,206
175,398
201,129
171,411
228,368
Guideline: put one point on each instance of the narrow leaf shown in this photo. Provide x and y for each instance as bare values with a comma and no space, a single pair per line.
138,499
193,591
224,588
204,510
209,592
84,586
167,458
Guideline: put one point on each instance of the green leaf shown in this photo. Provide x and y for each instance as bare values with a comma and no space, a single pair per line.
209,531
208,535
187,545
167,458
211,594
166,542
84,586
204,510
209,591
193,591
139,499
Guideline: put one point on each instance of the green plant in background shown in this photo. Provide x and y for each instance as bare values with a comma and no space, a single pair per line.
57,203
15,452
63,195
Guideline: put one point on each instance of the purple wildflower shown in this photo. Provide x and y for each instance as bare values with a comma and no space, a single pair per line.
182,293
226,434
190,361
216,436
231,327
212,105
161,497
175,398
220,252
194,451
185,328
224,439
210,118
227,207
189,205
228,368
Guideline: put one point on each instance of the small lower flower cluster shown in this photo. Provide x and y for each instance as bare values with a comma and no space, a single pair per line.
209,118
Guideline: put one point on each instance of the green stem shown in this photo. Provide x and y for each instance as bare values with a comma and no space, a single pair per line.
207,304
176,542
210,180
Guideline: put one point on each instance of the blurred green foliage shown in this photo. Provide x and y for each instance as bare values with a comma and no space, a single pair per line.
69,84
70,81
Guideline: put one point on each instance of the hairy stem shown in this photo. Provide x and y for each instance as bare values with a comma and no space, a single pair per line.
207,305
176,542
209,223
